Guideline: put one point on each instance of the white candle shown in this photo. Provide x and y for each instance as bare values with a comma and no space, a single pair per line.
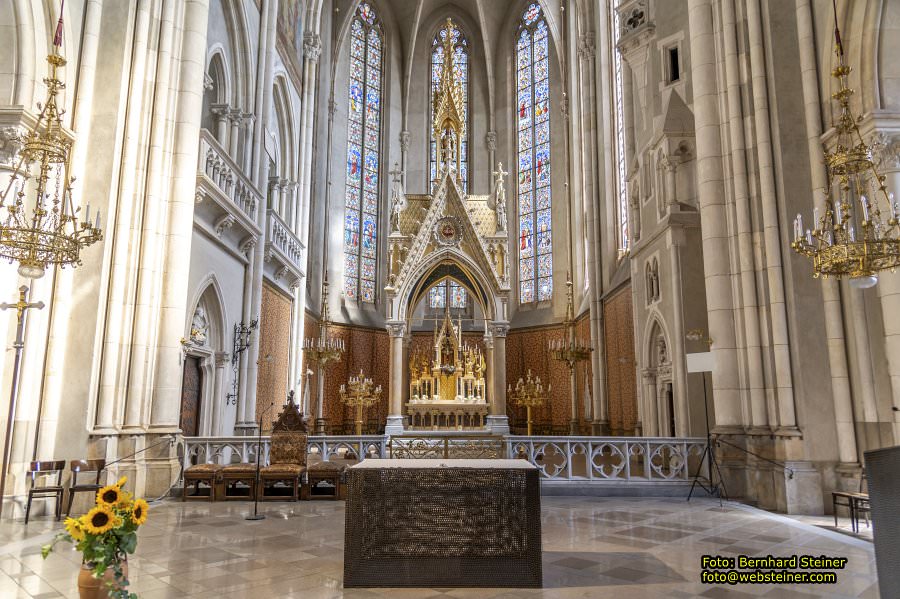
865,206
808,237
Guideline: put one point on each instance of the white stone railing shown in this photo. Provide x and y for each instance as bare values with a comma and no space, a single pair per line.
217,166
574,459
232,450
632,459
280,236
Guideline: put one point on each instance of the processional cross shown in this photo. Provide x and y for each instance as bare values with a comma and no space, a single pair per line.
20,306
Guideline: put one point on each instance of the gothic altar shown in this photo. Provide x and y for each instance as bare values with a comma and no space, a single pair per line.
447,385
448,235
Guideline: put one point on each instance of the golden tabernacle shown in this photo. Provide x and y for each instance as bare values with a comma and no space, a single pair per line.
447,388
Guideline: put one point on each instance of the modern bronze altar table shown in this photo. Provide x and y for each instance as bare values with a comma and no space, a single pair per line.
443,523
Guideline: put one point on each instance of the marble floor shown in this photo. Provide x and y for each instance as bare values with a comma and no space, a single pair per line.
593,547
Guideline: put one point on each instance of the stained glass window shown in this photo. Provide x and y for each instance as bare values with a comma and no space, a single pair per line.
461,68
533,138
438,296
363,156
622,200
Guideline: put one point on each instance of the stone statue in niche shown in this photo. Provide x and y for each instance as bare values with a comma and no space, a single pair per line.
199,326
398,198
662,352
500,194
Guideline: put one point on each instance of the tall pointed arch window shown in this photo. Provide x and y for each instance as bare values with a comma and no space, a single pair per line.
461,66
621,177
533,140
363,155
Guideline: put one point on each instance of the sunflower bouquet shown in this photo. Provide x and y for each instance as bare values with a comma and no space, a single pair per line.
106,534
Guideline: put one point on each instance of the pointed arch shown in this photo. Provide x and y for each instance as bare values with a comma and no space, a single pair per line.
533,110
365,92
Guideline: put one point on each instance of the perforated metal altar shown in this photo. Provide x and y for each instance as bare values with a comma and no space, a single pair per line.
443,523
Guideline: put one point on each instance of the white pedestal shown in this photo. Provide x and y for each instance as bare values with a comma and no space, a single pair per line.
394,425
498,425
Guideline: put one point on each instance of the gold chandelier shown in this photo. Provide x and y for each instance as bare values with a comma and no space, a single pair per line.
858,235
39,222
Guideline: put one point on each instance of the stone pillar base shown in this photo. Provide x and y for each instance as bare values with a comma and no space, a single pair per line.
394,425
498,425
245,429
600,428
802,490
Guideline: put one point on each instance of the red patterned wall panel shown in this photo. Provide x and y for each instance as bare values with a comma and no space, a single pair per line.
367,350
274,349
621,381
528,349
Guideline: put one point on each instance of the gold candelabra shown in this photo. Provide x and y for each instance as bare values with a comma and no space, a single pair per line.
322,351
41,225
529,393
362,394
570,350
859,233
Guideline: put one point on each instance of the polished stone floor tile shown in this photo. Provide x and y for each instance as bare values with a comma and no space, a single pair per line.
593,547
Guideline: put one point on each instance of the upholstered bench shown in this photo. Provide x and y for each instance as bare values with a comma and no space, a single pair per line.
198,474
325,480
234,474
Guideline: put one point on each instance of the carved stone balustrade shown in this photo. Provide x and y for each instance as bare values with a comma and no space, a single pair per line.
227,203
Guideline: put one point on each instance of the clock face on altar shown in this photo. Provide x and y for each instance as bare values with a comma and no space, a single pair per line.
447,231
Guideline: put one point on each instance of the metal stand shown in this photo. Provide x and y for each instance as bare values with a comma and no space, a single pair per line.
21,306
713,488
256,515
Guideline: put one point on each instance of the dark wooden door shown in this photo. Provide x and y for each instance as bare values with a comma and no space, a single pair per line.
191,387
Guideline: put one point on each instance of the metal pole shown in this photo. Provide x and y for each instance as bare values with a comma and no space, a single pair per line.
21,306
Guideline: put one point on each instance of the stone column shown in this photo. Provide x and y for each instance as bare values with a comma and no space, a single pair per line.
743,222
834,321
786,418
714,230
497,421
650,416
265,70
889,283
172,313
234,134
218,394
221,112
397,331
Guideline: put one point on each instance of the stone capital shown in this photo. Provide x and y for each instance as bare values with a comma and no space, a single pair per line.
312,46
885,151
396,328
499,329
220,111
221,359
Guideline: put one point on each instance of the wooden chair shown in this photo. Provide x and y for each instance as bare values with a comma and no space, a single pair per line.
233,475
77,467
287,456
39,470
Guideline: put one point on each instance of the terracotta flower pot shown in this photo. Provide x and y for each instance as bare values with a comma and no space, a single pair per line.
96,588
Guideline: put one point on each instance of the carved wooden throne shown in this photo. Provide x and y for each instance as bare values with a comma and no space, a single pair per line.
281,479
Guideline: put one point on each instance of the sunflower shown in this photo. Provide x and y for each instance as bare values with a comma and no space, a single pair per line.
139,514
99,520
122,481
109,495
74,528
124,500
